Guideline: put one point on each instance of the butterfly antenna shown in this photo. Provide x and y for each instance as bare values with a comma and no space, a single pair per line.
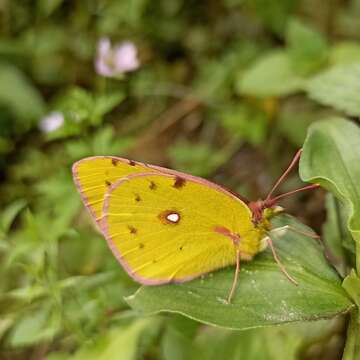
236,275
285,174
277,198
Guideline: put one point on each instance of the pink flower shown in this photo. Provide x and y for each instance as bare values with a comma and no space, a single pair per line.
116,60
51,122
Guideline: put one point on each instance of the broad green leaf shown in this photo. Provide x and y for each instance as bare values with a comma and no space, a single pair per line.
47,7
274,14
22,98
306,47
330,158
104,104
36,326
338,87
284,342
271,75
245,123
336,236
345,52
263,296
179,339
293,122
120,343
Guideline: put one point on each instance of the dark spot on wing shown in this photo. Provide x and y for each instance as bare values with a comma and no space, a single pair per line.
179,182
154,261
132,230
152,186
132,163
114,161
107,183
141,246
137,198
181,247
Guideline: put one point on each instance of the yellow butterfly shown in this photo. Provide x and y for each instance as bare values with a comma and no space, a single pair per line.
165,226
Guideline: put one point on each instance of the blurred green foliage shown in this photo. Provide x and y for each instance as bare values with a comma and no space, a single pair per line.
226,89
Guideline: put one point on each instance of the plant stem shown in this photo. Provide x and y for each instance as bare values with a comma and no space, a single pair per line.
357,245
352,346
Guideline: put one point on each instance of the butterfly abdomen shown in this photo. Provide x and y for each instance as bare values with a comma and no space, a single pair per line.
250,244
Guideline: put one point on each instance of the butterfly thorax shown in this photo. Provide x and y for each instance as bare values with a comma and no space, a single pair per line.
262,215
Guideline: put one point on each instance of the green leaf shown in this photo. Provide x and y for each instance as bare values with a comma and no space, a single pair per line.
329,158
306,47
9,213
336,236
271,75
352,347
293,122
83,109
245,123
47,7
263,295
352,286
338,88
39,325
22,98
103,142
274,14
284,342
179,339
345,52
121,343
103,104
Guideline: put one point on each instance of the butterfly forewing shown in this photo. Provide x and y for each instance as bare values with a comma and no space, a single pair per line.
164,228
93,177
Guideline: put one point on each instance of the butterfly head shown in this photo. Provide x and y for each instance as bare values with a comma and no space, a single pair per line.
264,211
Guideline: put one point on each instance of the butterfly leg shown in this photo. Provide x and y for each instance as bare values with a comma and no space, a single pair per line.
236,275
281,266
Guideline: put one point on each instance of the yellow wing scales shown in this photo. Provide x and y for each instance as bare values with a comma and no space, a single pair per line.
136,207
152,248
94,176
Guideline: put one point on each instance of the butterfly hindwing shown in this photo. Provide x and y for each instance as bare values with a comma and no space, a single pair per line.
164,227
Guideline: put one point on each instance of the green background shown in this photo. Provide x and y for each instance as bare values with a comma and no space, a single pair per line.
226,89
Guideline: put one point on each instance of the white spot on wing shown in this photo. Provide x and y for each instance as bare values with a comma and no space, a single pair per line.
173,217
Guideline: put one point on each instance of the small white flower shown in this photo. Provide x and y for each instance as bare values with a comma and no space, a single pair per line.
116,60
51,122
